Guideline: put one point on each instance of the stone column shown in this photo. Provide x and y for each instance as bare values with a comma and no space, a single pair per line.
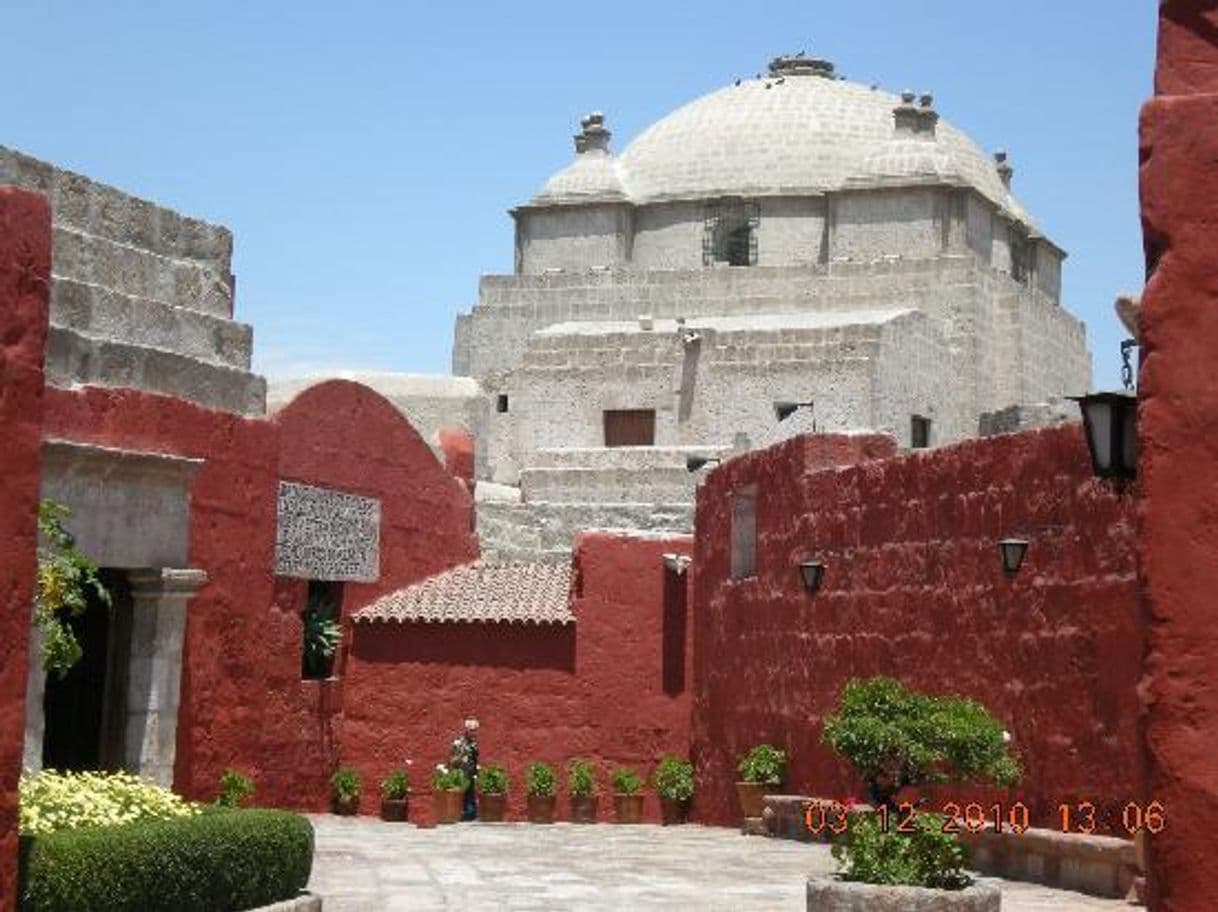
154,674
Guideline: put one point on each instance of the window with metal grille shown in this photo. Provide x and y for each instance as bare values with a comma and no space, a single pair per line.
919,432
630,427
730,233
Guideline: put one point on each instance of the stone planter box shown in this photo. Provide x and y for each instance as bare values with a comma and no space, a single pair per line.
1098,865
828,894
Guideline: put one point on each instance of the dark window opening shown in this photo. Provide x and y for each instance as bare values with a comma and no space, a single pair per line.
730,233
919,432
1020,258
501,403
630,427
321,631
676,593
84,711
744,534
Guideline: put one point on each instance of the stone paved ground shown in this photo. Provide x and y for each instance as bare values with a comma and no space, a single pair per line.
364,865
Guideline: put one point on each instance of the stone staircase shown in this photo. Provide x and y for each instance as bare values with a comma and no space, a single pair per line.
141,296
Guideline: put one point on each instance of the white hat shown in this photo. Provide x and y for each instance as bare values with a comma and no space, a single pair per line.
471,724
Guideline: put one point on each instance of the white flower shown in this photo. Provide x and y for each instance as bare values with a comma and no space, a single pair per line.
1006,736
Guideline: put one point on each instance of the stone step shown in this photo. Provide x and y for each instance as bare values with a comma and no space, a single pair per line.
141,273
104,313
98,209
74,358
547,528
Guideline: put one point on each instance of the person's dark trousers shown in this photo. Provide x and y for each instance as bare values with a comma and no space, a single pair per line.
469,810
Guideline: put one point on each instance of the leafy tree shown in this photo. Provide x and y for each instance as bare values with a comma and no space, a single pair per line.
895,737
65,579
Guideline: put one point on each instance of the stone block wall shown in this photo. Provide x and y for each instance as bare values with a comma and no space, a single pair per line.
612,688
1178,452
25,277
914,589
142,297
573,237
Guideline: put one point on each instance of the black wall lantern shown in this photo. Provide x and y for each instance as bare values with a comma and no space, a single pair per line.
1012,551
811,572
1110,422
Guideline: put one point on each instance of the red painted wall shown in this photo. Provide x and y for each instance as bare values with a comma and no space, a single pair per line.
243,703
1178,461
25,271
913,588
612,688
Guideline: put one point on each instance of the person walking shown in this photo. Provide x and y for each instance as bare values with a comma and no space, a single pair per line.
465,758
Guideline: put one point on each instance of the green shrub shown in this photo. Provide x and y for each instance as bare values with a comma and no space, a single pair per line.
581,779
215,862
52,801
925,857
346,785
396,785
764,763
540,781
449,779
674,778
235,789
626,782
66,577
894,737
492,780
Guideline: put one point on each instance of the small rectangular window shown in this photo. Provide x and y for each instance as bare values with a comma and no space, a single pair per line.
744,533
501,403
321,630
919,432
630,427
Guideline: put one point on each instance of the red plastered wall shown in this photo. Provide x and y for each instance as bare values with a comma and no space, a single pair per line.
1178,458
25,271
913,588
613,687
243,702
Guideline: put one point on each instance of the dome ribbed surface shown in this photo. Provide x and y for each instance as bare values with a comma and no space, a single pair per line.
803,135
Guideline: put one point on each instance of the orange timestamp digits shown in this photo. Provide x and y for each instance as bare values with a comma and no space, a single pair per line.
1084,817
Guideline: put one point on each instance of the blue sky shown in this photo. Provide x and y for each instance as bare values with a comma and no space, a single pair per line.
364,154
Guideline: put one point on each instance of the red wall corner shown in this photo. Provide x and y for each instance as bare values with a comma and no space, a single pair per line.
1178,455
25,273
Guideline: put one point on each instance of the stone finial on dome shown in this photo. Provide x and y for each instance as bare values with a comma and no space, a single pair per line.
593,135
917,120
1005,171
801,65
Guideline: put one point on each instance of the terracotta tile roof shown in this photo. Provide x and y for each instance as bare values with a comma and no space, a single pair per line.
488,593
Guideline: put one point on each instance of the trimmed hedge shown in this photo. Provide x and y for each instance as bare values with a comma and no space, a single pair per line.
221,861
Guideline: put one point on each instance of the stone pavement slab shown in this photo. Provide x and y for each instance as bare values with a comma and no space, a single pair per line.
364,865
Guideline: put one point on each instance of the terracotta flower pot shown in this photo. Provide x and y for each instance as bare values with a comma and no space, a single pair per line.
750,795
491,807
395,810
583,808
541,808
346,807
673,811
447,805
628,808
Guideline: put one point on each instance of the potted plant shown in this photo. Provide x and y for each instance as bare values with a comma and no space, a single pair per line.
761,770
345,789
492,789
627,796
540,786
235,789
581,791
895,737
674,779
395,796
448,785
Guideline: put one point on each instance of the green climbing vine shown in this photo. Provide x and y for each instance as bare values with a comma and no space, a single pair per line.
65,578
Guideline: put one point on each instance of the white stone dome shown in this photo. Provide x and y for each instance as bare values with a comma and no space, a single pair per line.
594,177
798,131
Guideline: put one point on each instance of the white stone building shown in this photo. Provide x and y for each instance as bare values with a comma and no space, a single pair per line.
794,237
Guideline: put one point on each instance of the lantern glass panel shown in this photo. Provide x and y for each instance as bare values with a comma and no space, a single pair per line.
1099,415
